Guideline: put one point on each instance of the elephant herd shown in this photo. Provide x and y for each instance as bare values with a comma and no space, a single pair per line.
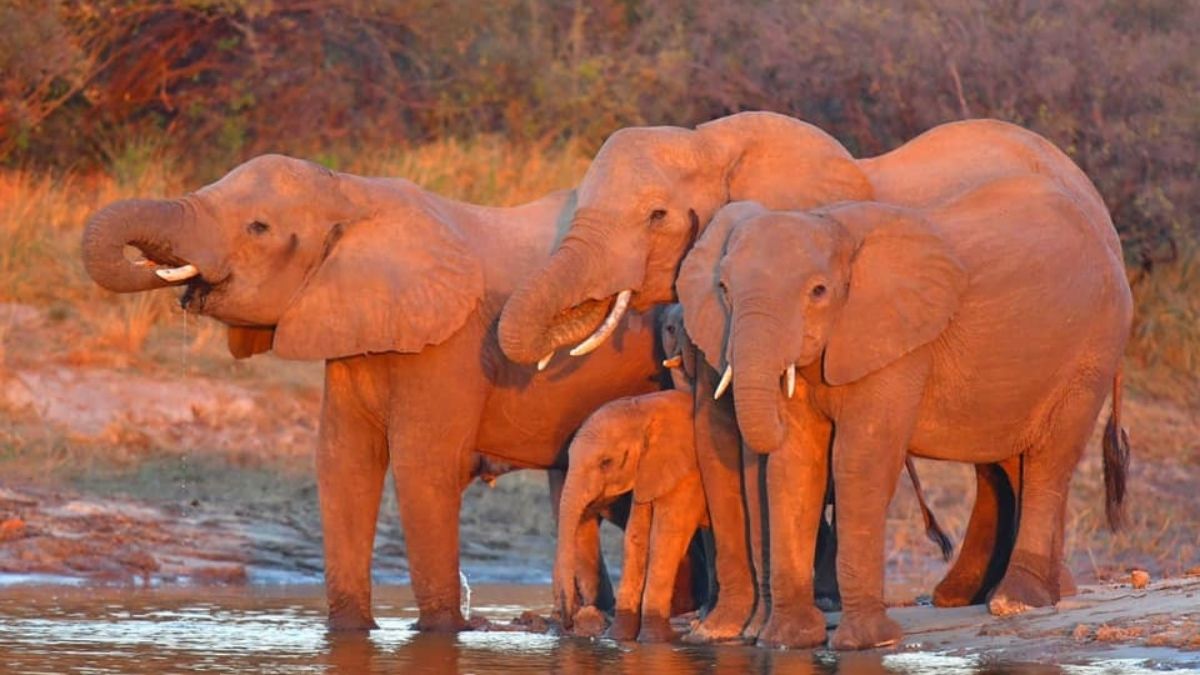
758,323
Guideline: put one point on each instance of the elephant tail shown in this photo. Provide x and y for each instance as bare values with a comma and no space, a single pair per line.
932,529
1116,460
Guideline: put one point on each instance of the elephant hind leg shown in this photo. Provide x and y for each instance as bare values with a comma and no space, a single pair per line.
1035,570
988,543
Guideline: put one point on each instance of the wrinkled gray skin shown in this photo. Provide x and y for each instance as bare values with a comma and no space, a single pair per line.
398,291
652,190
987,328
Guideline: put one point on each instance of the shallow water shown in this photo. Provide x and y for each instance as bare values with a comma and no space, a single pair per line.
60,629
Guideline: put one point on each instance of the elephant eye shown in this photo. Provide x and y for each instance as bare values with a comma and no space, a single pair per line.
818,291
606,462
258,227
657,215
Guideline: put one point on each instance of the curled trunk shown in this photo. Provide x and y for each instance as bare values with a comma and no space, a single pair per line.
147,224
563,303
756,387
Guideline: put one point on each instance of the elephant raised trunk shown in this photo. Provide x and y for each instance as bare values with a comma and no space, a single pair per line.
757,337
147,224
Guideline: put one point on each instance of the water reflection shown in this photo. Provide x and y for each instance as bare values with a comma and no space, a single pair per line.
281,630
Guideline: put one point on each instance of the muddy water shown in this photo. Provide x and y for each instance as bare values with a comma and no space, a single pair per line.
60,629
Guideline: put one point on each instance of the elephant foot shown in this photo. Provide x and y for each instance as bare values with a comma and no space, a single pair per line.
588,622
350,624
723,624
866,631
955,590
828,601
1066,583
801,629
446,621
1019,591
348,614
656,629
625,626
757,620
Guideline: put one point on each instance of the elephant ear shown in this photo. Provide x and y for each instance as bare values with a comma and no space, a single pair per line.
386,284
705,315
669,452
246,341
905,285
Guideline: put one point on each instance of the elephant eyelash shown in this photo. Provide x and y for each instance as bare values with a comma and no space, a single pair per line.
258,227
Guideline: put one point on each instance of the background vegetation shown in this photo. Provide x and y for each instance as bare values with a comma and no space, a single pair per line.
500,102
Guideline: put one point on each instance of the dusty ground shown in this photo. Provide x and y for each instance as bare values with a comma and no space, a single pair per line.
174,462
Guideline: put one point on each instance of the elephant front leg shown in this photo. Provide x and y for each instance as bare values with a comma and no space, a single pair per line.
754,474
672,526
627,622
352,460
718,452
874,426
797,476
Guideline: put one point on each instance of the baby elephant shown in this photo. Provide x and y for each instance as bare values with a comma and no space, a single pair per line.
644,444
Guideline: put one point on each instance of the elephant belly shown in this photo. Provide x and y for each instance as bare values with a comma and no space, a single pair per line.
530,416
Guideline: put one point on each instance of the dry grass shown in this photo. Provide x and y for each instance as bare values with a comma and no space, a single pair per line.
41,219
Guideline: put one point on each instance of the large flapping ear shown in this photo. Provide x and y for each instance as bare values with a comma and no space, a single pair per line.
705,315
245,342
669,454
393,283
905,285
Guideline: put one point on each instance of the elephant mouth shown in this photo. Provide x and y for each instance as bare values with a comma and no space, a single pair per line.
195,296
592,319
176,271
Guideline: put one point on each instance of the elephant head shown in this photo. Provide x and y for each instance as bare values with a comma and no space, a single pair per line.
647,195
641,444
294,257
837,293
678,349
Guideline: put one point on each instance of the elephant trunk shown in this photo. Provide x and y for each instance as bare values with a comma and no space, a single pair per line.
563,303
575,501
147,224
757,337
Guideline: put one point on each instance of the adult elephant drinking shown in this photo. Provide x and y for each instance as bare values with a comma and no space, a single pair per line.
398,291
651,191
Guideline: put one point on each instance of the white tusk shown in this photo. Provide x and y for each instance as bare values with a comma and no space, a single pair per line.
177,273
791,380
726,378
673,362
545,361
607,327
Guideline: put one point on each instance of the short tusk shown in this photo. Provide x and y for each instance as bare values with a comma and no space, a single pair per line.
545,361
726,378
177,273
607,327
673,362
791,380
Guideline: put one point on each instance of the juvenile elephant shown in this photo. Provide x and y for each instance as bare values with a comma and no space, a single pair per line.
644,444
397,290
987,328
651,191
